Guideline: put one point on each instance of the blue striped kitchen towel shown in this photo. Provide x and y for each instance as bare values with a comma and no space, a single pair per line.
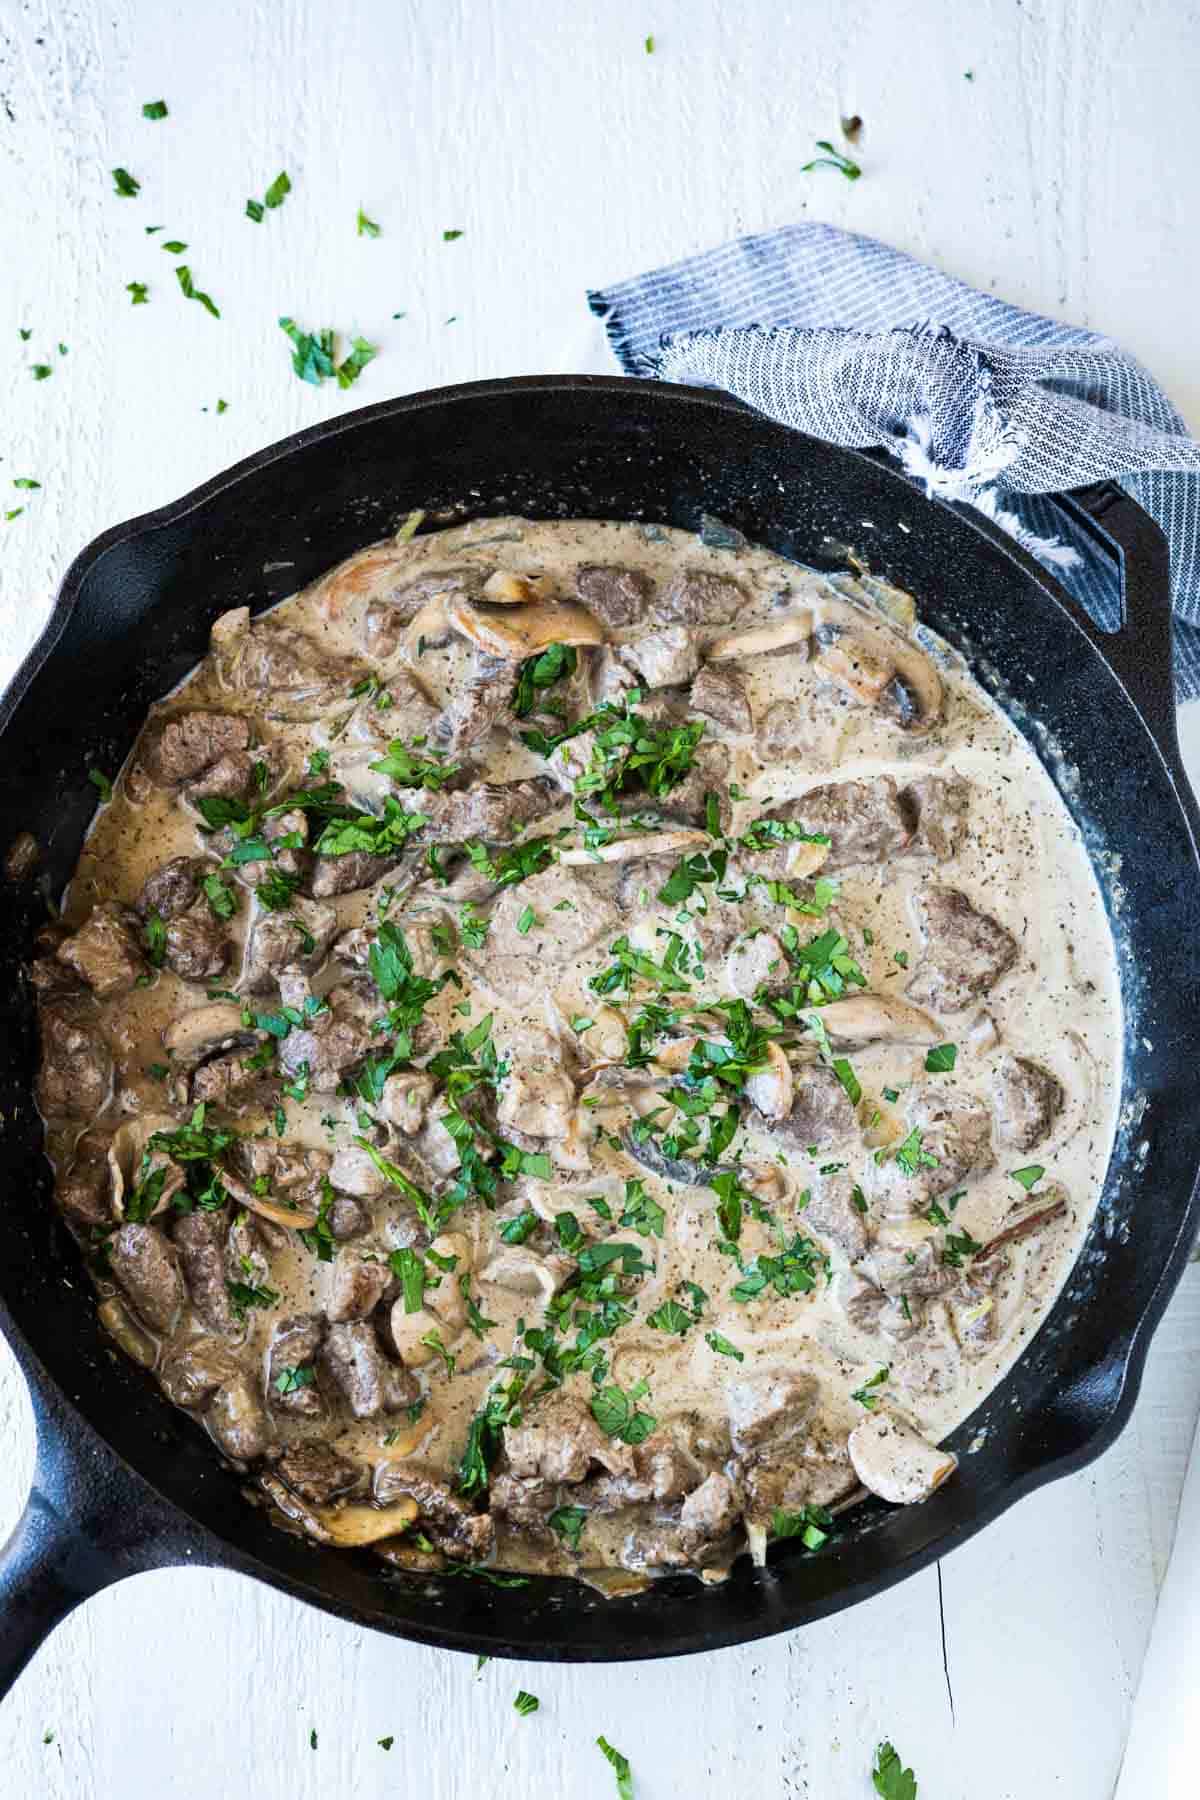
855,342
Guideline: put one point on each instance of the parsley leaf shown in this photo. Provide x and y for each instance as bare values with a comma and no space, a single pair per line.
139,290
618,1416
722,1346
941,1059
670,1316
366,227
278,191
220,896
556,663
864,1396
890,1779
191,292
621,1769
155,937
102,784
812,1525
832,159
1029,1176
154,109
125,185
526,1703
568,1522
910,1157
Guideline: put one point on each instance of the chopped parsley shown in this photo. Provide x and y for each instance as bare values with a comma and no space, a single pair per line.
101,783
848,1079
568,1522
191,292
448,237
405,765
556,663
642,1212
1029,1176
154,109
139,291
890,1779
910,1157
812,1525
958,1246
832,159
670,1316
526,1703
314,355
243,1295
154,936
722,1346
794,1271
618,1415
125,185
527,921
295,1377
864,1395
764,834
365,227
220,896
620,1768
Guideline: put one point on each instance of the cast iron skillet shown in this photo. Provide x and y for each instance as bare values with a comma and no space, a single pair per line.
125,1483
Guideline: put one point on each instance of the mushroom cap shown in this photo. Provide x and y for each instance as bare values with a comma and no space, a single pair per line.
523,630
877,663
771,1090
879,1019
205,1030
788,631
893,1460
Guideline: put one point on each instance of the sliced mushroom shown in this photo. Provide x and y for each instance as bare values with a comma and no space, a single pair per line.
505,588
407,1329
428,627
125,1158
873,662
896,1462
295,1218
349,1526
771,1090
879,1019
635,849
205,1030
790,631
120,1325
522,631
519,1270
402,1440
671,1168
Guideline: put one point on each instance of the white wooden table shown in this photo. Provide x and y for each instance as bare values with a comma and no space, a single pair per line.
1060,174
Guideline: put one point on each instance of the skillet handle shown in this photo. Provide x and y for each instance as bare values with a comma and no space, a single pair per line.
89,1522
1140,652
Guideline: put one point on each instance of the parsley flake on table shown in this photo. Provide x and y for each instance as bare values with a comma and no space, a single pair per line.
890,1779
191,292
385,1743
25,481
41,371
448,237
367,227
526,1703
154,109
125,185
138,290
173,246
650,46
620,1767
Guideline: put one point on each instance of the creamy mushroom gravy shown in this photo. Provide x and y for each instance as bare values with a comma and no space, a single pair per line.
611,1165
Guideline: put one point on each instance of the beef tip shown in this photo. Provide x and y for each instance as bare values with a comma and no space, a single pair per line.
711,1510
106,951
353,1362
173,889
953,1130
821,1114
449,1523
1028,1100
832,1213
866,821
75,1074
197,948
492,810
199,1238
478,704
701,598
355,1289
406,1099
319,1473
191,1375
537,1099
231,777
237,1421
293,858
665,658
769,1409
940,804
278,668
227,1080
348,1218
333,1041
50,980
294,1345
687,801
966,951
563,935
616,596
663,1472
400,708
146,1266
190,742
697,1537
353,1171
334,875
811,1471
85,1191
278,940
719,693
752,962
524,1504
558,1440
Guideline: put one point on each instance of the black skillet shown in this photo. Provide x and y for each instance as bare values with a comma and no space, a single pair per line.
123,1482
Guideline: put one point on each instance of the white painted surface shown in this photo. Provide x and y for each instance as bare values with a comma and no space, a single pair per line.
568,157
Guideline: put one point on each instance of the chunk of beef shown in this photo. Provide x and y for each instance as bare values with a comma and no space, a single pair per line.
524,1504
821,1114
284,673
558,1440
332,1042
698,597
866,821
478,704
294,1346
1028,1100
537,1099
940,805
319,1473
356,1288
966,951
197,948
564,933
173,889
353,1362
238,1422
813,1470
348,1218
292,857
664,658
687,801
334,875
833,1212
227,1080
712,1509
187,743
146,1266
231,777
769,1409
191,1375
199,1238
953,1145
106,950
298,938
616,596
492,810
84,1192
449,1523
75,1074
697,1537
663,1472
719,694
